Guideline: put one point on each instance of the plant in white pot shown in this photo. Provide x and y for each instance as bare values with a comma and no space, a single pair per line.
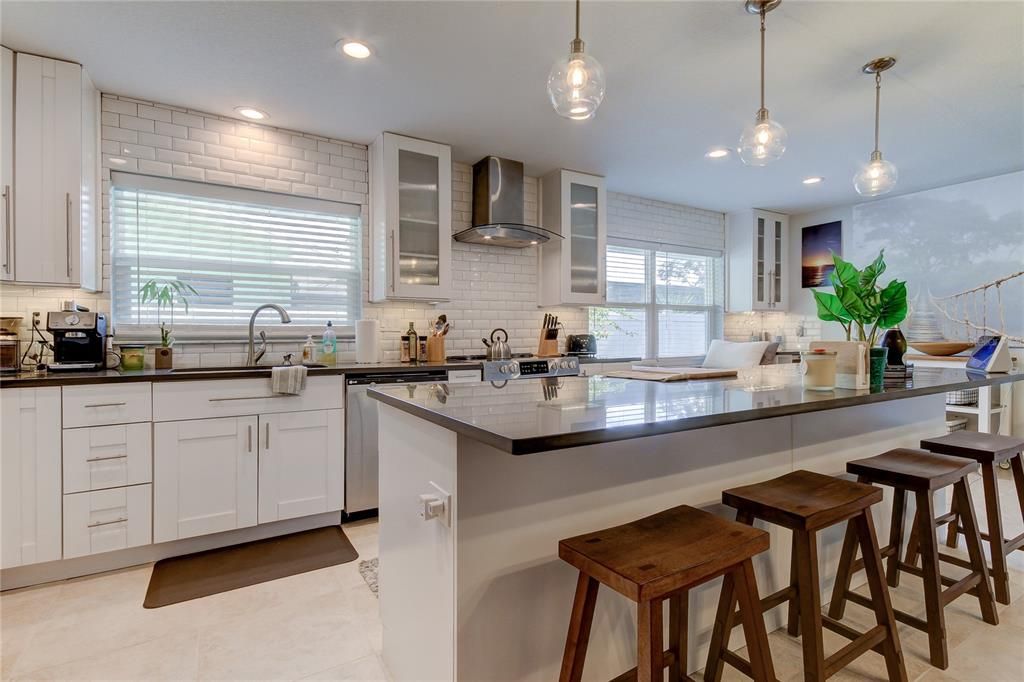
166,294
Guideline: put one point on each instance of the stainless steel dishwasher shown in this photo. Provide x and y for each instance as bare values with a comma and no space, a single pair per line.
361,431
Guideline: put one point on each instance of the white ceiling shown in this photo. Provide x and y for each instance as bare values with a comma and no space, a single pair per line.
682,77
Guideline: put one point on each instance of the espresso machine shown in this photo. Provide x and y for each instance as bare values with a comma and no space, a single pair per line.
79,340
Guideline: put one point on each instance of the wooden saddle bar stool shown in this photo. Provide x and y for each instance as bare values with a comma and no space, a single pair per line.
921,473
806,503
988,450
658,558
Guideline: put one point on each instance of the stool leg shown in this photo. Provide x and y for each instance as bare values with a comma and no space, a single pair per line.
934,612
758,651
952,528
650,649
1017,465
793,614
899,505
579,629
722,630
996,541
678,609
880,601
844,573
913,544
810,605
963,498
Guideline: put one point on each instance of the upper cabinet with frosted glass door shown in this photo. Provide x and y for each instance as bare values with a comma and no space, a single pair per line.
411,215
572,269
759,269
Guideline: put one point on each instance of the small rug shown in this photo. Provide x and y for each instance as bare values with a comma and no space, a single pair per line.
368,569
201,574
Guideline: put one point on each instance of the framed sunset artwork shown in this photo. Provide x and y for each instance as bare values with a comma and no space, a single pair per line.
817,244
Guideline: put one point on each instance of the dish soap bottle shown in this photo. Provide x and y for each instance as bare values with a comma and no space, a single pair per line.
329,346
308,351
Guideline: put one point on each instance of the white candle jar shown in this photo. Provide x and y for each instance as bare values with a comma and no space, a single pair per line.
818,368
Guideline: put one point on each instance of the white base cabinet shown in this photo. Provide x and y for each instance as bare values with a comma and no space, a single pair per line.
205,474
107,520
300,470
30,476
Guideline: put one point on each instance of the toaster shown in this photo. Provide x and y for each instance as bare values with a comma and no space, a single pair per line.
581,344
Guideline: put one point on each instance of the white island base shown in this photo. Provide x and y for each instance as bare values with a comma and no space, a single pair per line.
487,598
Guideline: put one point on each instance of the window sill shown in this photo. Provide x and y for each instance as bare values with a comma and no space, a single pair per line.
276,334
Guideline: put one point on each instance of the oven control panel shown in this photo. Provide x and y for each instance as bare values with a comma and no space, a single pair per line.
530,368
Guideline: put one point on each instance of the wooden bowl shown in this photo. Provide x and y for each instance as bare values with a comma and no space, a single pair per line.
940,348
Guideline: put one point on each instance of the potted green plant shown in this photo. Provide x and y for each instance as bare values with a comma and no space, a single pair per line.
860,304
166,294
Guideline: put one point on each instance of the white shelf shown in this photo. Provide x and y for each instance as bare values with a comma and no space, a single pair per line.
971,409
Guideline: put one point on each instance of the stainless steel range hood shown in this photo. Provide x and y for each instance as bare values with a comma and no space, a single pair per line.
498,207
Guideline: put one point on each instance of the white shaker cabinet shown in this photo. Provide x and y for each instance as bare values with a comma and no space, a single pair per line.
205,474
758,253
6,162
411,219
301,472
572,269
30,476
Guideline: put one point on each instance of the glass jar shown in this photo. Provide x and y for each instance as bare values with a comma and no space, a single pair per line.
818,367
133,356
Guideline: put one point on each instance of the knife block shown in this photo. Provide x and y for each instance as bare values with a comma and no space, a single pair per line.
547,347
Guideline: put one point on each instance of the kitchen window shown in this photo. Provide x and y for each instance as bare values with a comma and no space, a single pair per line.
238,248
663,302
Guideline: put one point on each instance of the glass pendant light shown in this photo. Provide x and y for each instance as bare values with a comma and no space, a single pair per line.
878,176
764,140
576,84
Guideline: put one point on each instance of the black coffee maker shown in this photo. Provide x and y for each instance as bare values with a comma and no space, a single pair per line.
79,340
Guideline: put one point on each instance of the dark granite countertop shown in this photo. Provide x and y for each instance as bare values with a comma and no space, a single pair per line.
528,416
30,379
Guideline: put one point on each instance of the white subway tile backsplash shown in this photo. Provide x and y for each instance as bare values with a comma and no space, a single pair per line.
205,136
134,123
170,129
187,120
191,146
155,113
119,107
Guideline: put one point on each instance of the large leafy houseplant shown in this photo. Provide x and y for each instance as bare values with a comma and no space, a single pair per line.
166,294
859,303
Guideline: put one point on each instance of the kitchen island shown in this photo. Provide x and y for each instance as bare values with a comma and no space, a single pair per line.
480,481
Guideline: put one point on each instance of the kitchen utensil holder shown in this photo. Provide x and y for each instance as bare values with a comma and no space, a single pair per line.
547,347
435,349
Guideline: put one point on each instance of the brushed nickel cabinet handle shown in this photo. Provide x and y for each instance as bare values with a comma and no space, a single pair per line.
67,226
104,459
7,229
394,261
248,438
266,435
106,523
106,404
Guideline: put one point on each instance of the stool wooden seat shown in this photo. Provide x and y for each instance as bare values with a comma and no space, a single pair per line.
921,473
989,450
658,558
806,502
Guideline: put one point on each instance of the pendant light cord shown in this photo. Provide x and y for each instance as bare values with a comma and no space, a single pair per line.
878,103
763,13
577,19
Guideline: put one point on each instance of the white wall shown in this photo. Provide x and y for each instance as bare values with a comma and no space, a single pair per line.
492,286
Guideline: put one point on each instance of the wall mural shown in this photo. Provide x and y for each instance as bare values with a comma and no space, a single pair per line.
817,244
961,250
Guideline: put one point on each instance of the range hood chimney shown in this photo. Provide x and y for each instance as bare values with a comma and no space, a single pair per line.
498,207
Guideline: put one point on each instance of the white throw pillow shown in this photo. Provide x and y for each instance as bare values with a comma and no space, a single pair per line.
731,355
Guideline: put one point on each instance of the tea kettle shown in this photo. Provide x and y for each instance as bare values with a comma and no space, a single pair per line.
498,349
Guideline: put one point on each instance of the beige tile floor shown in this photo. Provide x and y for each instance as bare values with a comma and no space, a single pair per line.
324,625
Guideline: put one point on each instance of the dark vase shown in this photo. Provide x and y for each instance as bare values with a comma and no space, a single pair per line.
894,341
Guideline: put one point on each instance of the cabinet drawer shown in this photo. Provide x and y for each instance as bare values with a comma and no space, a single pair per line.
96,405
178,400
107,520
101,457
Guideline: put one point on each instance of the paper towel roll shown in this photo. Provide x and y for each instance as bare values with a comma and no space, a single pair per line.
367,341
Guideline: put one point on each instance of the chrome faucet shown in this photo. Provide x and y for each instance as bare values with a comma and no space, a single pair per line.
253,358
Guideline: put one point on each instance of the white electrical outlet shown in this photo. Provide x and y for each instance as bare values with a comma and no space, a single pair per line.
436,504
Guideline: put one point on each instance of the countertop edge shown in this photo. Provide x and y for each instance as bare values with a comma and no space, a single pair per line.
534,445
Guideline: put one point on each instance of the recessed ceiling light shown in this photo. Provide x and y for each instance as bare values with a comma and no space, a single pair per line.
354,48
813,180
717,153
251,114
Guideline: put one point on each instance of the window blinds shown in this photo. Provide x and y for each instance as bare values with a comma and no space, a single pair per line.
238,248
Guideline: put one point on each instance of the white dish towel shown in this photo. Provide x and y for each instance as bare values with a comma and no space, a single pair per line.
290,380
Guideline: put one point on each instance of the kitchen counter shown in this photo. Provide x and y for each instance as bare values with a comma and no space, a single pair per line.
32,379
529,416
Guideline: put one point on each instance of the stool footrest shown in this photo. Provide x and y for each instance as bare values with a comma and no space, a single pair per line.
946,580
1015,543
735,661
865,642
956,561
959,587
901,616
668,658
844,630
945,518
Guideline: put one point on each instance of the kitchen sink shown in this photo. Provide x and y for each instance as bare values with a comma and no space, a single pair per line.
214,370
